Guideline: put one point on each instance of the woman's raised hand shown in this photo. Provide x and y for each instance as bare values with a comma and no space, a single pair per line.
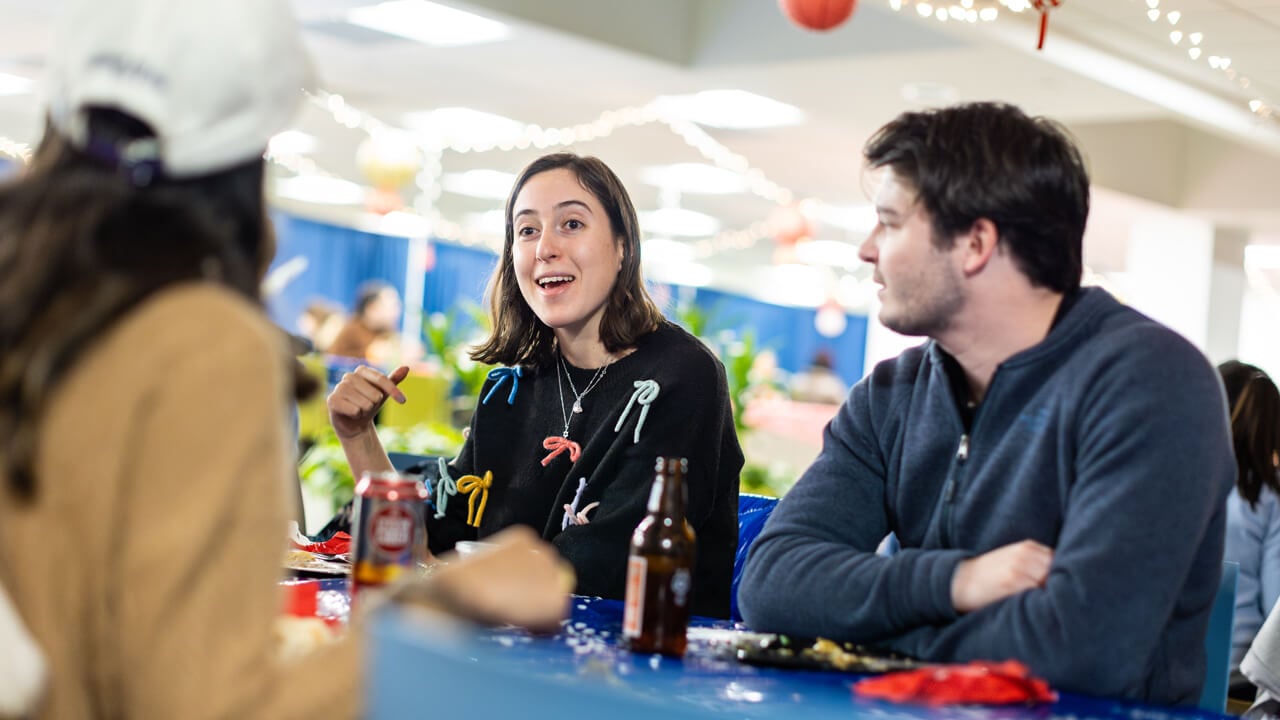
355,402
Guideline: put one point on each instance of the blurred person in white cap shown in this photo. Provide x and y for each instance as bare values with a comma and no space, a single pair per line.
23,670
144,461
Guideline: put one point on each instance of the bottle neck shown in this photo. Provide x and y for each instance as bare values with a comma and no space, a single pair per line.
667,496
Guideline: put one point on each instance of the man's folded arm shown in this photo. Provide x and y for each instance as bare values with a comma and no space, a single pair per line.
814,572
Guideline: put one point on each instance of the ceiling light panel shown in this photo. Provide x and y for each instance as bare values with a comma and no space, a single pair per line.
730,109
694,178
14,85
428,23
321,190
463,126
487,184
679,222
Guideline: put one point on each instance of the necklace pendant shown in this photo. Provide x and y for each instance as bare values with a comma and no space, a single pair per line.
577,406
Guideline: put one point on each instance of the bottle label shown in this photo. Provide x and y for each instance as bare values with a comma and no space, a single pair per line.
633,610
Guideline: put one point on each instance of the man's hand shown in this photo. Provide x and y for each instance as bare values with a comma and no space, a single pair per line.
999,574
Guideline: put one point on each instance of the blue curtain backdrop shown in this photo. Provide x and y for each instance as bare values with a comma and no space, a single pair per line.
340,258
788,331
456,282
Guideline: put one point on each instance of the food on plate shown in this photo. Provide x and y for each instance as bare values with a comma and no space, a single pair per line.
819,654
301,560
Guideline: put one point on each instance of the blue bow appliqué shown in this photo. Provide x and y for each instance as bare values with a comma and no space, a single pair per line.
500,376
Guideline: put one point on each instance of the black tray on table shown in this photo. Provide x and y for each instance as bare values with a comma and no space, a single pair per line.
819,654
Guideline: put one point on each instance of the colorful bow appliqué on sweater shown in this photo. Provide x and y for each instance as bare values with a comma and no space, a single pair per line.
558,445
646,392
476,486
574,516
500,376
445,488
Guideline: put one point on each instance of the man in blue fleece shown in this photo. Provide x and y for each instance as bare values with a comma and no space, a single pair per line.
1054,464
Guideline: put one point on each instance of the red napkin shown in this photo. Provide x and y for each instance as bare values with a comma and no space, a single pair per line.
300,598
300,601
339,544
977,683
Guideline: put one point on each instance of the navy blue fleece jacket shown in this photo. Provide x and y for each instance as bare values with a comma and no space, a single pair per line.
1108,442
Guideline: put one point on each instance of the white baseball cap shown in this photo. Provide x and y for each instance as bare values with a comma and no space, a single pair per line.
215,79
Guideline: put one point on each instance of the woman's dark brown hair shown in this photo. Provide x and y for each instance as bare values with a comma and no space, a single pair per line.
518,337
82,243
1254,402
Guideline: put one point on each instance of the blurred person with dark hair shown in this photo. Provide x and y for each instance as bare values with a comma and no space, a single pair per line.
1253,510
819,383
144,463
1053,464
370,333
320,323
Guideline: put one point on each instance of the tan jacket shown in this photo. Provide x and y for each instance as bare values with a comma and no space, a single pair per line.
147,565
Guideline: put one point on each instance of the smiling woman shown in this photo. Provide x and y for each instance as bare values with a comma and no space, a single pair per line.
566,260
596,385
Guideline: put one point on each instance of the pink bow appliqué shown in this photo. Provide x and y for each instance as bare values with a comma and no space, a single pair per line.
558,445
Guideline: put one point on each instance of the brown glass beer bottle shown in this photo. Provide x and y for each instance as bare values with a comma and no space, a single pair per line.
660,570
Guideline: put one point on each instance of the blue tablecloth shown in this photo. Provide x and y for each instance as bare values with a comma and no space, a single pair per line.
423,666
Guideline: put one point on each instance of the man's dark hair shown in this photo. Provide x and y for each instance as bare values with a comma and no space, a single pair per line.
993,161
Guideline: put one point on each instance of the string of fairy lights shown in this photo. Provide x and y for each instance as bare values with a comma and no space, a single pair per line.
608,122
1183,33
427,180
534,136
1196,44
971,11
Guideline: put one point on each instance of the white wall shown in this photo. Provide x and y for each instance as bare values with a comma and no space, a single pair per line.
1168,272
1260,328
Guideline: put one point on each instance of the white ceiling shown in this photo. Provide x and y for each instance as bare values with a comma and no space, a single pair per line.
1160,129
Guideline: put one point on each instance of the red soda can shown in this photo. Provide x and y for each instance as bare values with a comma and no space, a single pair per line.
389,537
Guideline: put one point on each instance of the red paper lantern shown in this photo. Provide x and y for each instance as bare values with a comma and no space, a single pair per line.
820,15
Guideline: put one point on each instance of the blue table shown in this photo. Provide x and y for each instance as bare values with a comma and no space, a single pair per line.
425,666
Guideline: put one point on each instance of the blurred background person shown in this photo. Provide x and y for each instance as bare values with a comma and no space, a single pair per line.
321,322
819,383
1253,509
371,332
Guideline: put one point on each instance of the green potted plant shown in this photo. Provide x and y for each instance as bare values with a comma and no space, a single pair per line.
449,340
325,473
